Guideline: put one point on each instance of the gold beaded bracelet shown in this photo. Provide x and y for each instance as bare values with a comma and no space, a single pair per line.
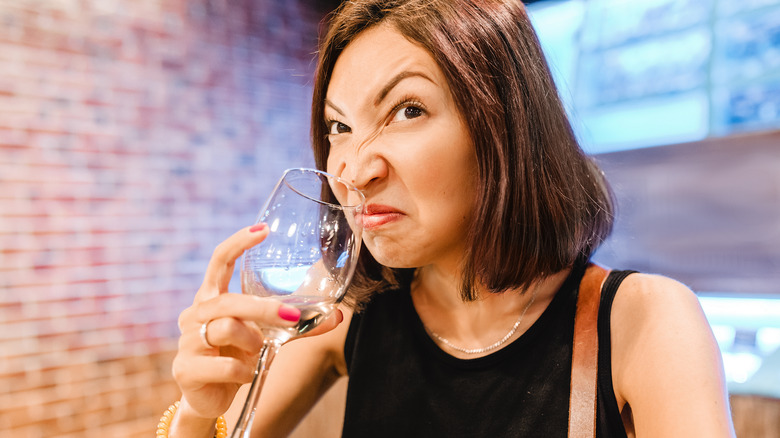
165,423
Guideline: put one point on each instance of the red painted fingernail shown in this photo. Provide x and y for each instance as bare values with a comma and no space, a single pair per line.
289,313
257,227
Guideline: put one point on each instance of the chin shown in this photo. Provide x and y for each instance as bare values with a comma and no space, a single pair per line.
392,256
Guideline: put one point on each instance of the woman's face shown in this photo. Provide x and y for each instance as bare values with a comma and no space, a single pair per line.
395,132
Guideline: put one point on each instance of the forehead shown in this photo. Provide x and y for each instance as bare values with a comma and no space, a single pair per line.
376,55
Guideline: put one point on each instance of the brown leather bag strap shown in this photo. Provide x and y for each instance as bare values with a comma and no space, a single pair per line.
584,360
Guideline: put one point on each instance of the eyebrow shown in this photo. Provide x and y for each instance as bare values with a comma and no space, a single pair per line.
386,89
394,81
336,108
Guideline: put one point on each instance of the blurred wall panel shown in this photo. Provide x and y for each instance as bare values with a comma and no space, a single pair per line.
706,213
134,136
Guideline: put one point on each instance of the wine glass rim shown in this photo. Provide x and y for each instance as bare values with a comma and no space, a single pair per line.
348,184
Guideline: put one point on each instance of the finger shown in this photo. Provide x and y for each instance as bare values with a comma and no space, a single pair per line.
222,262
225,255
263,311
201,370
230,332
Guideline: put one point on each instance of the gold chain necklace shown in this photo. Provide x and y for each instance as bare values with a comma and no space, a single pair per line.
492,346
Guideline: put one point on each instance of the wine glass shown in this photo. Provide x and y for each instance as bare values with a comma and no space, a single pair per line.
306,261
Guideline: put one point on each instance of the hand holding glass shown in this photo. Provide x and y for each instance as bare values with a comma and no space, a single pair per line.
307,260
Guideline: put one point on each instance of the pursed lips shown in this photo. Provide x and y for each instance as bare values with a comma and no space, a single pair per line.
377,215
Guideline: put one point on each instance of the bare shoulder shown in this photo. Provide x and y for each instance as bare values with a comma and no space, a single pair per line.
651,293
665,360
651,317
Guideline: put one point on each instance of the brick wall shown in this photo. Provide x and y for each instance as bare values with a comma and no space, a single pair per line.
134,136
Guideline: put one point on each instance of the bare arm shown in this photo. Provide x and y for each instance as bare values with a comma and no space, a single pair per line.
667,368
301,373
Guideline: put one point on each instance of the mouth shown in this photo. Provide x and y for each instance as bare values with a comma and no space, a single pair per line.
377,215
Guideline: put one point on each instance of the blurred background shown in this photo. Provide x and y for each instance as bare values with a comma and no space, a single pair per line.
136,135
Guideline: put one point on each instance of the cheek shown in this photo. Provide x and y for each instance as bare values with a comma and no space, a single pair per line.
330,164
453,178
337,189
336,163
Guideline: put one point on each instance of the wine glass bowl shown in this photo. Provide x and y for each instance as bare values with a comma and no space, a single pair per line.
309,256
306,261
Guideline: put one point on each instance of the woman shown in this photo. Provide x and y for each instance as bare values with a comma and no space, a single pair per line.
482,214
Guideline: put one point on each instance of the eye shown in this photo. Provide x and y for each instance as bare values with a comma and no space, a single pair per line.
335,127
407,112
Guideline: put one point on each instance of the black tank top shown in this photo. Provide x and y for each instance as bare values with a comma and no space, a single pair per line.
401,384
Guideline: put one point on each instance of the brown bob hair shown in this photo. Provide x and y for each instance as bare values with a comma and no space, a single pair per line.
542,203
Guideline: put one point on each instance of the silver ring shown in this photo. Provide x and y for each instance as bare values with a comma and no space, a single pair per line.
204,333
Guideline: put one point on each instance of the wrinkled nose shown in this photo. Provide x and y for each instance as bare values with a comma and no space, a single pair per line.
363,172
362,166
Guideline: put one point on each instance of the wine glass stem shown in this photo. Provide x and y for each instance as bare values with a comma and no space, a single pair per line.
243,427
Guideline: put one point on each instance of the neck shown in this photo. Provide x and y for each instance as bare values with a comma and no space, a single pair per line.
480,323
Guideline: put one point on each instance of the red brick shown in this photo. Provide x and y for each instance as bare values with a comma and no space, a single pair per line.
132,141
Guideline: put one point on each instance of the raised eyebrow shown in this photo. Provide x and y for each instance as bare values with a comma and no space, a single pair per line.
395,81
335,107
